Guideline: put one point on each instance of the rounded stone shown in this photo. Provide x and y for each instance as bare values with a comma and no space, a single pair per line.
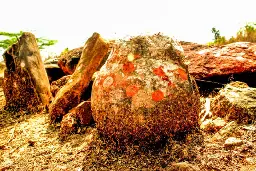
143,91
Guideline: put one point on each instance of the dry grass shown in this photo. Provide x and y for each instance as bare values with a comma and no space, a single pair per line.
32,144
29,142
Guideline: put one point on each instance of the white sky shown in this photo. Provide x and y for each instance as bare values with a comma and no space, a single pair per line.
71,22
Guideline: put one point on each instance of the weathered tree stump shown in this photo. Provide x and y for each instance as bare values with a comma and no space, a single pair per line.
26,85
69,96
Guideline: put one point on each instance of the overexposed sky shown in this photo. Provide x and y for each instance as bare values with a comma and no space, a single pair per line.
71,22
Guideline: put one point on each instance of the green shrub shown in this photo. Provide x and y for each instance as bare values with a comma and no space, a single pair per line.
12,38
245,34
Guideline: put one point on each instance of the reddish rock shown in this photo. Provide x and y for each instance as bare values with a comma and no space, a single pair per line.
144,92
79,115
83,112
68,61
58,84
26,85
233,58
69,95
68,124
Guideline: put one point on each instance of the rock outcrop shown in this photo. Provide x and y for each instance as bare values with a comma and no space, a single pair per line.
143,91
70,94
26,85
235,102
228,59
215,66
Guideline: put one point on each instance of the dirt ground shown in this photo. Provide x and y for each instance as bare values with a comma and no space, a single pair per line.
29,142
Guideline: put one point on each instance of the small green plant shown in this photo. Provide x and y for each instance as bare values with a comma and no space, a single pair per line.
216,33
64,51
218,39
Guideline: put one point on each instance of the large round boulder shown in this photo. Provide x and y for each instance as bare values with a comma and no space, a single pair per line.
144,92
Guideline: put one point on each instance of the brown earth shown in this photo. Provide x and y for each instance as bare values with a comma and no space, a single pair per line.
29,142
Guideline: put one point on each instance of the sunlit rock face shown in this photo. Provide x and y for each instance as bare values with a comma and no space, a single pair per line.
144,92
236,101
26,86
234,58
70,95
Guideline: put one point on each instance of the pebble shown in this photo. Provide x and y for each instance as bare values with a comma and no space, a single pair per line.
232,141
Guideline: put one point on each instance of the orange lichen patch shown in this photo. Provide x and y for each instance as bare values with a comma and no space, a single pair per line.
136,56
157,95
115,56
165,78
171,84
128,67
159,71
123,83
116,51
182,74
131,90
